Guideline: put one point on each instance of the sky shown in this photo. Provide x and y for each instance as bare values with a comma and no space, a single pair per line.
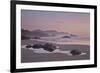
71,22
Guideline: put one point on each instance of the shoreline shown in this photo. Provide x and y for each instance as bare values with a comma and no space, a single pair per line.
30,56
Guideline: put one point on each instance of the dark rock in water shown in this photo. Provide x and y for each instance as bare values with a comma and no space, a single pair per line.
49,47
37,46
28,46
75,52
66,37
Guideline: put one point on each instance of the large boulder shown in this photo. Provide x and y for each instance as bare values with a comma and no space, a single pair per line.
37,46
49,47
75,52
66,37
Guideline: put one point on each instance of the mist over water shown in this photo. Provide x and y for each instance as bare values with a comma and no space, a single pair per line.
65,41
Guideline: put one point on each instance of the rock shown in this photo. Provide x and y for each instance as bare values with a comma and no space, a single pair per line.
66,37
28,46
37,46
75,52
49,47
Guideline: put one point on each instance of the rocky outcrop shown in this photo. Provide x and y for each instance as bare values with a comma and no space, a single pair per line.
75,52
49,47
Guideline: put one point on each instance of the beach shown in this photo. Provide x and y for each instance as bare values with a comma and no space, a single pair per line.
28,56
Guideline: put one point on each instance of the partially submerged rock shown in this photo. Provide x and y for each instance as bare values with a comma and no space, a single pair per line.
66,37
28,46
75,52
37,46
49,47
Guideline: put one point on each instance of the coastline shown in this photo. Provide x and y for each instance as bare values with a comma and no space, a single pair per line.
29,56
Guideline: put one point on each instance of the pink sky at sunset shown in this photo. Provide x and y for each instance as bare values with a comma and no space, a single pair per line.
72,22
